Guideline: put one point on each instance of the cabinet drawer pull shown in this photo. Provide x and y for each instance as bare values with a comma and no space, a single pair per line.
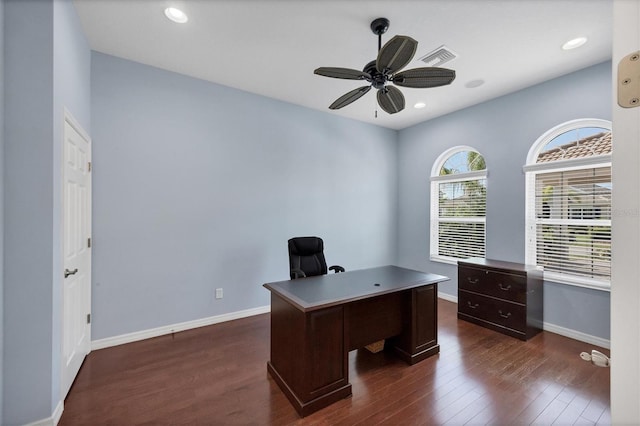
472,280
507,315
507,288
472,306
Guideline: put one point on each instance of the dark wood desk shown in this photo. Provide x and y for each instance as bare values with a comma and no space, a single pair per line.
316,321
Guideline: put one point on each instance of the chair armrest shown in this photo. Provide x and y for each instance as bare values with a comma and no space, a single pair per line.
298,273
336,268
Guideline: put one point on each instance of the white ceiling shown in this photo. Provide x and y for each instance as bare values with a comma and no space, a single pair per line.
271,47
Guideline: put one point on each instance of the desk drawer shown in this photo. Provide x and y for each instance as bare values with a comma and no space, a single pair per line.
505,314
497,284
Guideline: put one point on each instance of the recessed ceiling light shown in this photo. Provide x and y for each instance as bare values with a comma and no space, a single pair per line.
420,105
574,43
474,83
176,15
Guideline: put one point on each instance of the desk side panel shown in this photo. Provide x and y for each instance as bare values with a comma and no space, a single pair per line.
287,342
308,355
426,317
326,347
419,338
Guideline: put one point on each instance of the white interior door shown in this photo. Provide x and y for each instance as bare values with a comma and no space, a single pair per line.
625,259
76,329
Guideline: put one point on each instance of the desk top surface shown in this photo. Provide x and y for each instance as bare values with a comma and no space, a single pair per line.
312,293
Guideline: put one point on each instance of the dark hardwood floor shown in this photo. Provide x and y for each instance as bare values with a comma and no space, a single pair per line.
218,375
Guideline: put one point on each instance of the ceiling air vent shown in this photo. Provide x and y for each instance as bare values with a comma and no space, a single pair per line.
439,56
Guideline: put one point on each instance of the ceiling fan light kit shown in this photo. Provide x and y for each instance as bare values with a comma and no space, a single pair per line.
392,57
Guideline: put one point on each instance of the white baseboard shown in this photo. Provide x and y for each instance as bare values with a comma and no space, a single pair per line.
448,297
576,335
53,420
57,414
552,328
168,329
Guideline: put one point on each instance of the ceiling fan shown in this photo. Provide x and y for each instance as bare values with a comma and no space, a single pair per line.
392,57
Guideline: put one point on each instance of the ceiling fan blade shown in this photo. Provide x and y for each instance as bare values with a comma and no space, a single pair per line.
345,73
349,97
390,99
424,77
396,54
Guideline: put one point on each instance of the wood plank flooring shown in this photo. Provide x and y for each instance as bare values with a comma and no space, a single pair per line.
217,375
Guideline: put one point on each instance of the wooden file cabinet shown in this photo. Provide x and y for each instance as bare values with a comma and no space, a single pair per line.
503,296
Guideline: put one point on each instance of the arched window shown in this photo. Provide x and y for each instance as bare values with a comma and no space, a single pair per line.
458,205
568,203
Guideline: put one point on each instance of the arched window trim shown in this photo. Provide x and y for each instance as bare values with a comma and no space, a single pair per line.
532,168
436,178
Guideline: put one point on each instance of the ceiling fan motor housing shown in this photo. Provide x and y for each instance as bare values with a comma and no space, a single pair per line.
377,78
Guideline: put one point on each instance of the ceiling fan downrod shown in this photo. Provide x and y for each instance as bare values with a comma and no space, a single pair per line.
379,26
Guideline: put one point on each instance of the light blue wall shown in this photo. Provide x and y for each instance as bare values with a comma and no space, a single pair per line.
198,186
47,67
28,267
502,130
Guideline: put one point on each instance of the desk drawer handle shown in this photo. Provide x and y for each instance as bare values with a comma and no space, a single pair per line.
472,306
507,288
507,315
473,280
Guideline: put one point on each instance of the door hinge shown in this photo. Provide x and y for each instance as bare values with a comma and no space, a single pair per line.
89,166
88,318
89,242
629,80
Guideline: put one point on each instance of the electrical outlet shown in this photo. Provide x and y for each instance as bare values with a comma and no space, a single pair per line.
218,293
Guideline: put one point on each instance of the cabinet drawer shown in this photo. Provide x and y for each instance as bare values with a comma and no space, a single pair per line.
496,284
506,314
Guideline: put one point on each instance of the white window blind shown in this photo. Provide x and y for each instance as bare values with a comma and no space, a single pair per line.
458,218
572,222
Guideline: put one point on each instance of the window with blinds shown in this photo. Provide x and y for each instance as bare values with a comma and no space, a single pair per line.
458,206
569,206
573,222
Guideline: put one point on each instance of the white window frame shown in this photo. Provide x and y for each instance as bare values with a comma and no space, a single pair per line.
532,169
436,179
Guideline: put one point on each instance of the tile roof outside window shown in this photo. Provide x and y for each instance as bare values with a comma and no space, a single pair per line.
599,144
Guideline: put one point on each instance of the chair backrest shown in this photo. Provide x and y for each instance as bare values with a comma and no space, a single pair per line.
307,254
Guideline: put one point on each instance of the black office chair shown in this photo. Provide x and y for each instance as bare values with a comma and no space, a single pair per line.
306,258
